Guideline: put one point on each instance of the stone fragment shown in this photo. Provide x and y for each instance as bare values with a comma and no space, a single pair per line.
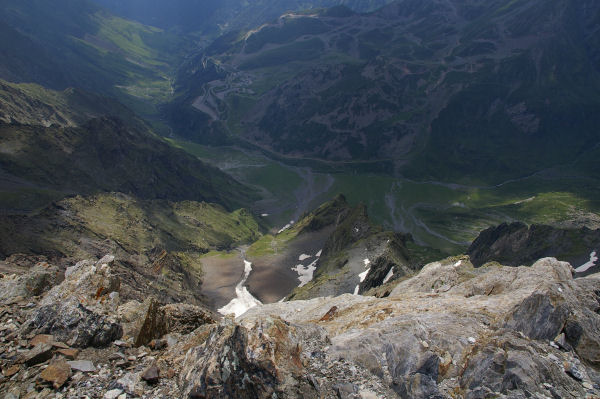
331,313
129,381
57,374
158,344
69,353
367,394
85,366
113,394
12,370
60,345
39,354
151,375
572,370
562,343
41,339
148,329
345,391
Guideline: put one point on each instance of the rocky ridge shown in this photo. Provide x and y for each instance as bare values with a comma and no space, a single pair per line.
452,331
517,244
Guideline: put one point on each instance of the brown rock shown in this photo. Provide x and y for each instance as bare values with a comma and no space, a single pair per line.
9,372
148,330
39,354
170,373
184,318
158,344
41,339
151,375
69,353
331,313
60,345
57,373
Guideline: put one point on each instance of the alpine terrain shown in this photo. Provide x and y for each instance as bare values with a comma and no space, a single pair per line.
299,199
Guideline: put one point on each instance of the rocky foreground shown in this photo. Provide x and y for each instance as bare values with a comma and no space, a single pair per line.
452,331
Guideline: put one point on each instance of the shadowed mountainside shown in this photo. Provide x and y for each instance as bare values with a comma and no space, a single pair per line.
457,90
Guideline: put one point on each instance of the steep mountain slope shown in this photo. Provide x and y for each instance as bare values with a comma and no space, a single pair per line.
157,209
213,17
158,244
449,89
52,149
518,244
332,250
78,44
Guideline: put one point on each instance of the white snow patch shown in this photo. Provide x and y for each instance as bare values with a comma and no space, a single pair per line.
287,226
524,201
389,275
244,299
590,264
305,273
363,275
319,253
471,340
303,257
264,215
457,264
367,262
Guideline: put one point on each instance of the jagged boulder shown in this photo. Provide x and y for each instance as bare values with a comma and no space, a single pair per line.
143,322
81,310
240,362
73,323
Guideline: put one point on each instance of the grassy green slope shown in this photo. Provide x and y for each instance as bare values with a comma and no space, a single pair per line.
439,215
158,244
86,47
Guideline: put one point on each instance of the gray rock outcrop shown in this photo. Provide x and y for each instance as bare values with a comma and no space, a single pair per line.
80,310
457,331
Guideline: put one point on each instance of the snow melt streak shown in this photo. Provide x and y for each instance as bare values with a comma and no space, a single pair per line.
244,299
362,277
590,264
389,275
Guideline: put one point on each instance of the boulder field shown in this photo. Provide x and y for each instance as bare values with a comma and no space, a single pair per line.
451,331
